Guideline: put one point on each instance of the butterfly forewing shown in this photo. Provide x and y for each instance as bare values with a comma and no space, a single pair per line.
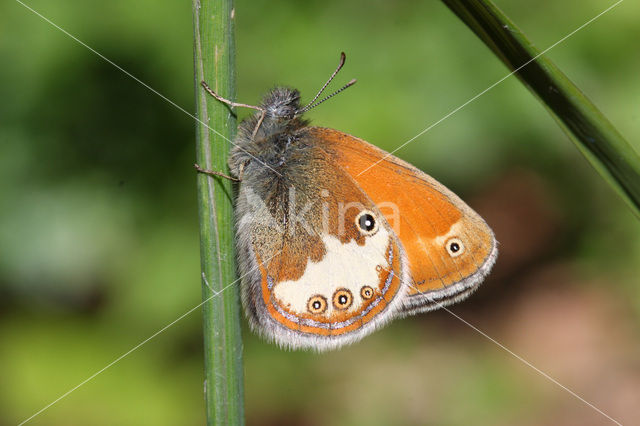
449,247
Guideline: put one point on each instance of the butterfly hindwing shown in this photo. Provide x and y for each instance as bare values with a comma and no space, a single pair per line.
323,265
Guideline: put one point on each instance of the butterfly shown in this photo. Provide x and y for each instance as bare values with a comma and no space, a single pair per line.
335,237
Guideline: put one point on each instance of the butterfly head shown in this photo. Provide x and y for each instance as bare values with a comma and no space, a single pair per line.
268,133
281,104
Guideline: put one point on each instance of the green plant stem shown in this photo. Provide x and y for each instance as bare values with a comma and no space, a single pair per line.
214,53
611,155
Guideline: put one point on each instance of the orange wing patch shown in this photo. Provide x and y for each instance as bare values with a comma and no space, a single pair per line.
446,242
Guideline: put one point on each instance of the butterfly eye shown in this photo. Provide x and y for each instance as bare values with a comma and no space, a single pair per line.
366,222
366,292
454,247
342,299
317,304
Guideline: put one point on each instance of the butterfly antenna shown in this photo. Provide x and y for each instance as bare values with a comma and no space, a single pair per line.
310,106
343,57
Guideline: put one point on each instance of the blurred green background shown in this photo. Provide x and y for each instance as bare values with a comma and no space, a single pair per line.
98,223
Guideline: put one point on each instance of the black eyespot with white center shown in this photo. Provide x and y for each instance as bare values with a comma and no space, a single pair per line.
454,247
317,304
342,299
366,222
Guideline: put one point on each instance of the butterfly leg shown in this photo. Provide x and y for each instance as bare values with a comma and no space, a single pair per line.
214,173
236,104
255,130
227,101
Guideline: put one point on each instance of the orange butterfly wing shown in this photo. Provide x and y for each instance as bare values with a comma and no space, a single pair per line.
450,248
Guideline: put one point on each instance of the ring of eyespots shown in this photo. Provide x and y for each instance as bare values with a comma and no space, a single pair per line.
317,304
454,247
366,222
342,299
366,292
